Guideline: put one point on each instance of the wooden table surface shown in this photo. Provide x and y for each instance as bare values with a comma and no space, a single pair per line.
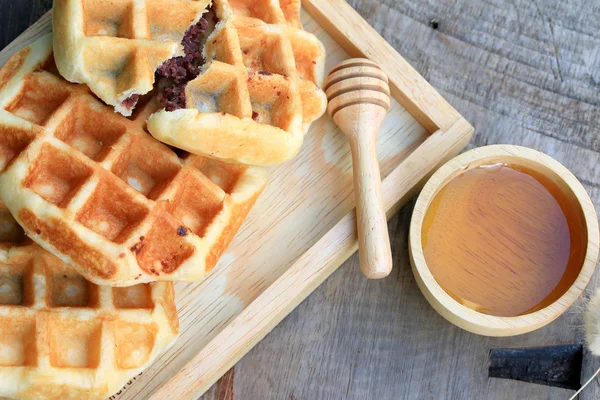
523,72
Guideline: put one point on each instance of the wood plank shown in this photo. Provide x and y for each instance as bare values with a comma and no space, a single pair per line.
494,61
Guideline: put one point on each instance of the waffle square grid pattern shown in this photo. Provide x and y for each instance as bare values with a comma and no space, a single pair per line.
90,339
259,90
114,46
95,189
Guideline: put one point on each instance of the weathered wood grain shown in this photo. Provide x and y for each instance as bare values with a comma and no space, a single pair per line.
523,72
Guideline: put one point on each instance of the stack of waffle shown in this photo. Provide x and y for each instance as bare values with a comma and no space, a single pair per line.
95,212
63,337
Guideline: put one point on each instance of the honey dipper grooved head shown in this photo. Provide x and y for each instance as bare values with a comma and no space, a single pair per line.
356,81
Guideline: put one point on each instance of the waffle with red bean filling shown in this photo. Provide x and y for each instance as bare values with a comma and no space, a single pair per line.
115,46
258,92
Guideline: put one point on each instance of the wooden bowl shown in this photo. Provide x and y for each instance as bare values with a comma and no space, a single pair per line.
468,318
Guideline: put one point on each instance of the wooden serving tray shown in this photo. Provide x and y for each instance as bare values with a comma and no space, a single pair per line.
302,227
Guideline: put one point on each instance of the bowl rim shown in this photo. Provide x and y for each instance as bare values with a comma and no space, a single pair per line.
463,316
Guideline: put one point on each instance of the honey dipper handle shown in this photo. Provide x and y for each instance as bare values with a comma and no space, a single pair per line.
373,240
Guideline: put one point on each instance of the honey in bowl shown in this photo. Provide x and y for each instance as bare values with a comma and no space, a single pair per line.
504,239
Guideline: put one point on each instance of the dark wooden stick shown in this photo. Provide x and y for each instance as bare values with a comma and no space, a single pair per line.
558,366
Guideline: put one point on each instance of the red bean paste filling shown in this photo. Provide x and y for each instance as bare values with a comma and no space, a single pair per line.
175,73
131,101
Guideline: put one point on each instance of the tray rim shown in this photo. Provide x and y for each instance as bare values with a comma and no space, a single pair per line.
449,133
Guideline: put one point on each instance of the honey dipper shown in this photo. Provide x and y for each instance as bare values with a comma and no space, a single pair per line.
359,97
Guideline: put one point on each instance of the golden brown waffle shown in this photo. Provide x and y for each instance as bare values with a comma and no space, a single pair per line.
93,188
62,337
257,94
114,46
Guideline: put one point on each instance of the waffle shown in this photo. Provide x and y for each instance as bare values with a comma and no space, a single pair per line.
114,46
96,190
10,231
53,323
258,92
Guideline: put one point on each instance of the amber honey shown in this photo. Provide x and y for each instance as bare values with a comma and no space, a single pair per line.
504,240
